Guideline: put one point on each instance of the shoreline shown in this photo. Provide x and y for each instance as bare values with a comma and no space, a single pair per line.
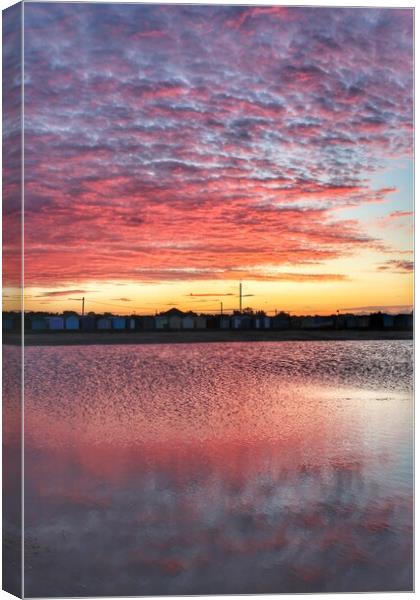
78,338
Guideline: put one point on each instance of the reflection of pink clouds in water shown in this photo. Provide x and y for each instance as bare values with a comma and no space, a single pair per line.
12,468
277,487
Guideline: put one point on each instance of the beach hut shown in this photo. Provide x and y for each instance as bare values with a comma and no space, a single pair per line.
324,322
88,323
161,322
403,322
241,322
118,323
309,323
131,323
175,322
351,321
362,321
236,322
388,321
146,323
72,322
187,322
200,322
262,322
224,322
103,324
8,322
55,323
282,321
38,323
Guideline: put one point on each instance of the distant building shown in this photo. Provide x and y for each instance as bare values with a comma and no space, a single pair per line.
376,320
262,322
388,321
351,321
171,319
55,323
103,324
161,322
188,322
224,322
8,322
145,323
403,322
175,322
38,323
118,323
362,322
241,322
88,323
281,321
72,322
200,322
131,323
317,322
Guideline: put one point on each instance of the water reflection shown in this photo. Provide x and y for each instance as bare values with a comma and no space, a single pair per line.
12,471
242,468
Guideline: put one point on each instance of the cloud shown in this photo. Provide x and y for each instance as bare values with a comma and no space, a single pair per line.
399,214
206,295
397,266
61,293
150,142
390,308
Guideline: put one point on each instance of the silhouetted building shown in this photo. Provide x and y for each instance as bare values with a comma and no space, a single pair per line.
188,322
262,322
130,323
403,322
145,323
241,322
38,323
161,322
388,321
200,322
175,322
55,323
72,322
8,323
118,323
88,323
103,324
281,321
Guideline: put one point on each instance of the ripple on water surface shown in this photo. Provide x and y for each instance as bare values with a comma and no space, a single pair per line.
200,468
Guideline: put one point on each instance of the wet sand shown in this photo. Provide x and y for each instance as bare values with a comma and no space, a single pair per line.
73,338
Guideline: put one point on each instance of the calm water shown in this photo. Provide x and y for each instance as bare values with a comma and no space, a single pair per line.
218,468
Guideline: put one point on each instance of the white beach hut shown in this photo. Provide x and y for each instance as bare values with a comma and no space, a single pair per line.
131,324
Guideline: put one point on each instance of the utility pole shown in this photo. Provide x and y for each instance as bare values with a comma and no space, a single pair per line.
221,308
83,303
240,297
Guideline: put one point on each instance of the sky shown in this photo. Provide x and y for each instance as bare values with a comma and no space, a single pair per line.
174,151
